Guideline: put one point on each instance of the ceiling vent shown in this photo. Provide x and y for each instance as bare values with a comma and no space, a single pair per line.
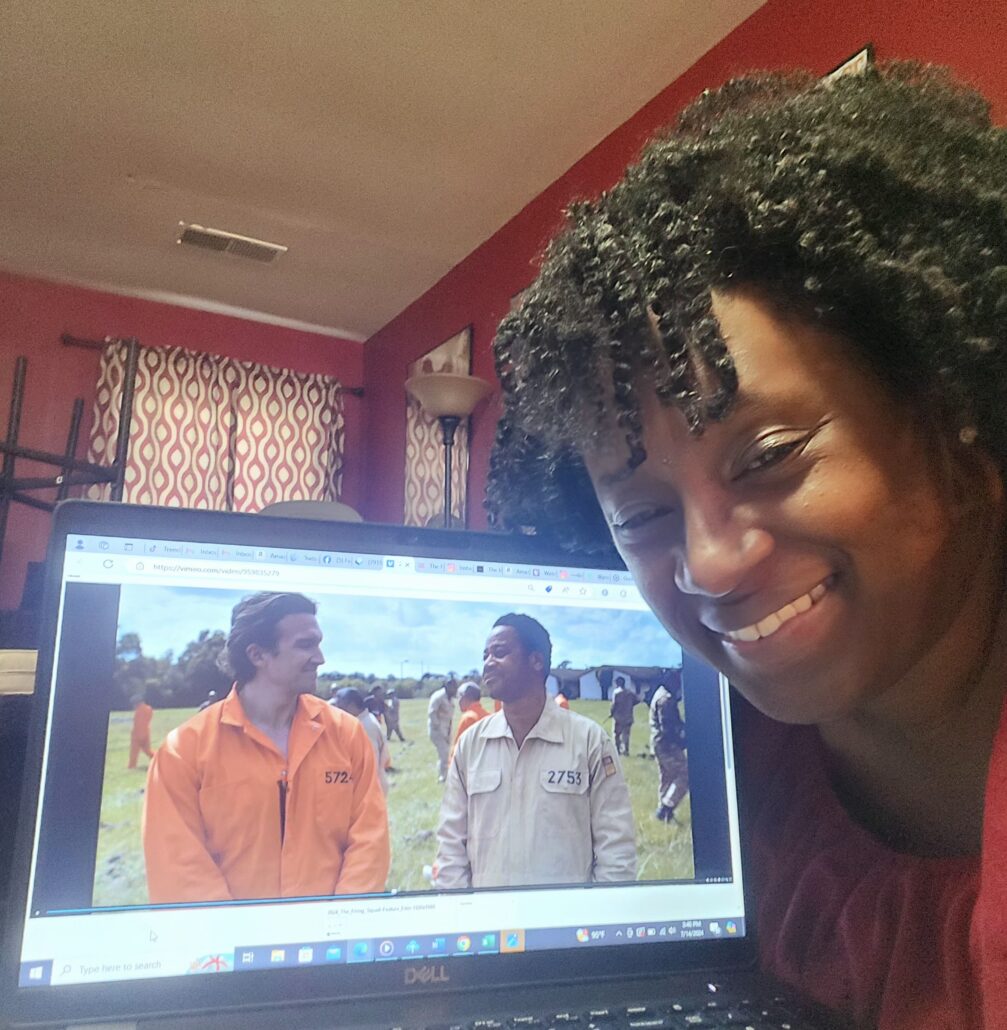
228,242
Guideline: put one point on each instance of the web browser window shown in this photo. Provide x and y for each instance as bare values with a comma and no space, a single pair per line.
141,628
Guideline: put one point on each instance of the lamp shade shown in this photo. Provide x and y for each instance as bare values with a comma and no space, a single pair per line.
447,393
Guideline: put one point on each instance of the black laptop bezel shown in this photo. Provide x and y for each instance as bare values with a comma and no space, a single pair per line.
192,994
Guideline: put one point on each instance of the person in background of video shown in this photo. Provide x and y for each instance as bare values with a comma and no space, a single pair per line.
439,713
667,738
392,715
534,794
470,705
374,702
350,700
271,792
139,737
561,699
770,365
621,713
211,699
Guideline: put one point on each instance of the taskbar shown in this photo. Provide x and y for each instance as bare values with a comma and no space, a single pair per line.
483,942
287,955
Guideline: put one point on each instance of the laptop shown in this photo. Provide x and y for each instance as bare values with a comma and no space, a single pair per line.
138,607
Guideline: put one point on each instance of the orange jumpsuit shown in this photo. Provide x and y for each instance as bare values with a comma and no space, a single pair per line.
227,816
469,718
139,738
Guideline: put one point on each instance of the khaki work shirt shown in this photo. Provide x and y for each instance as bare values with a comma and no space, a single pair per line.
377,738
555,810
439,713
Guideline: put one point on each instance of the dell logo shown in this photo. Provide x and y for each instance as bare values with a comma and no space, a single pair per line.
426,975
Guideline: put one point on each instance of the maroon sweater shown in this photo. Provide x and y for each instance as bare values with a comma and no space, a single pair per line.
891,939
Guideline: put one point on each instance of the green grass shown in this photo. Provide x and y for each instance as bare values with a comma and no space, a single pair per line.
664,851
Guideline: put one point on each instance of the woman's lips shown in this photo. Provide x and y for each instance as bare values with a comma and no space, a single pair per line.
769,624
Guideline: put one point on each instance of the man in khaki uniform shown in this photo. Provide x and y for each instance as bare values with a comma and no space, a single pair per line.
534,793
439,713
621,714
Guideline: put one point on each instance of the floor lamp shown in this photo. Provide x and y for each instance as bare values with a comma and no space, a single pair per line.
449,398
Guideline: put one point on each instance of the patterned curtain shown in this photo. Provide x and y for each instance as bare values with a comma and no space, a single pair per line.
425,469
211,432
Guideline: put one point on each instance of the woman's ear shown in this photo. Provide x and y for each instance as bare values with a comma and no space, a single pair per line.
973,476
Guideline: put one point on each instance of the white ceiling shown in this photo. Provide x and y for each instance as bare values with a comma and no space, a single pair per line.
380,140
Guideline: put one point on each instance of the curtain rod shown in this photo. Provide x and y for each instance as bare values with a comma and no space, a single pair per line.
68,340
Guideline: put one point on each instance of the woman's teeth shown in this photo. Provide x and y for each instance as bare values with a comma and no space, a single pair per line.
771,623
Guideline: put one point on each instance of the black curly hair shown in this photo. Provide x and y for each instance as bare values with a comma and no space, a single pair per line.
874,205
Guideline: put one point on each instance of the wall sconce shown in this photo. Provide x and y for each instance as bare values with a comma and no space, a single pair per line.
447,397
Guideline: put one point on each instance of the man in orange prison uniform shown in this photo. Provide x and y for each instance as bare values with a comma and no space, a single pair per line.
139,737
272,792
469,702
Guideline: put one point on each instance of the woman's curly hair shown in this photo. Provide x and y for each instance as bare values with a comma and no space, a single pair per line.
874,205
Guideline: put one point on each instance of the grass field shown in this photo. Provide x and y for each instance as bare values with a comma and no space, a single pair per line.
664,851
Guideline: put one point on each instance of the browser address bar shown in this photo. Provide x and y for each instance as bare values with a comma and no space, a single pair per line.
381,582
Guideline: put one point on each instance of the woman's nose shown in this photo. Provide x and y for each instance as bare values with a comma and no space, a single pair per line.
720,550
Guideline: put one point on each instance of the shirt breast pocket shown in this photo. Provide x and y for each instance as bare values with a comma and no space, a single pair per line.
564,805
486,803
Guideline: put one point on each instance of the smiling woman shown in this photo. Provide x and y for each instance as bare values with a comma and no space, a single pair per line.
769,366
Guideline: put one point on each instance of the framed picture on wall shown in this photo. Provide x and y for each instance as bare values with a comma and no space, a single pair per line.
518,299
856,64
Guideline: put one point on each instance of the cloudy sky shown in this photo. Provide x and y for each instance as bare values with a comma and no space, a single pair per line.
404,636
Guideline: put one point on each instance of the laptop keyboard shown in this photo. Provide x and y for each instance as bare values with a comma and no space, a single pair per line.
776,1013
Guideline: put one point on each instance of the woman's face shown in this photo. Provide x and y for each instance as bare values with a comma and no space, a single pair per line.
806,546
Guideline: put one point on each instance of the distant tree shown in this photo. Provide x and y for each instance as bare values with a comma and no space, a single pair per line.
137,677
198,670
129,647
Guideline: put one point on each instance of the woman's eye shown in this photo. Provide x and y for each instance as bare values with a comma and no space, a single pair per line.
772,455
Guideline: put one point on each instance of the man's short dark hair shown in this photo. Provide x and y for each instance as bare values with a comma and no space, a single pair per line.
350,700
532,634
254,621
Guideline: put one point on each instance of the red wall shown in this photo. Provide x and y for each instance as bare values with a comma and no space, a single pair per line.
784,33
34,314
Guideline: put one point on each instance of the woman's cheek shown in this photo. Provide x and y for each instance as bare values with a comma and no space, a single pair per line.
657,586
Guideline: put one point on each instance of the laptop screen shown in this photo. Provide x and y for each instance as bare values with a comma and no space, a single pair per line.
153,853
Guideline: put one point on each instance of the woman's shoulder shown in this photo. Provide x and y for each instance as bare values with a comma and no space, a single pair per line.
847,919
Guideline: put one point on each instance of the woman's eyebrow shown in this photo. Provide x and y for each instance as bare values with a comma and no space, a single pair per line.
749,406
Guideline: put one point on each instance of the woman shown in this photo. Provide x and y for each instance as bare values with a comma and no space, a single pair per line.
769,365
